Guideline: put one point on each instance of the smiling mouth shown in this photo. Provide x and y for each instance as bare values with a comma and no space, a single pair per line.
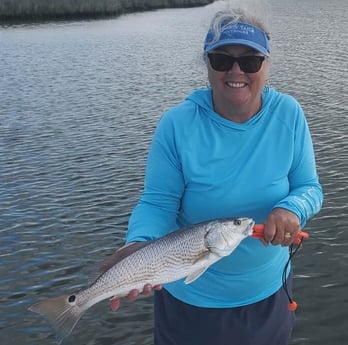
235,85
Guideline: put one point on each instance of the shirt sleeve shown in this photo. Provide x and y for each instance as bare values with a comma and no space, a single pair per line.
156,212
305,198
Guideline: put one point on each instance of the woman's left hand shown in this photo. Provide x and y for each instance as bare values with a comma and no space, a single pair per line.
281,227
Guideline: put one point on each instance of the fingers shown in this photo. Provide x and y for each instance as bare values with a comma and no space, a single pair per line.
114,304
147,291
289,237
281,237
133,295
281,227
270,231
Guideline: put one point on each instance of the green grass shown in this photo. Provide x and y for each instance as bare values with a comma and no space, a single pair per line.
60,9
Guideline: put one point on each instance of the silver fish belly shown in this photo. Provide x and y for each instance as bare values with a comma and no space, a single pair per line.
185,253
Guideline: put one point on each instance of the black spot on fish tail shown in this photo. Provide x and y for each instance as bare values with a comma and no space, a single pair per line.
62,312
72,299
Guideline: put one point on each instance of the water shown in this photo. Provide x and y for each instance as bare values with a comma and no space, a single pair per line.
79,103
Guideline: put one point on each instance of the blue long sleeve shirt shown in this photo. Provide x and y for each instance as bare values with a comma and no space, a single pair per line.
202,166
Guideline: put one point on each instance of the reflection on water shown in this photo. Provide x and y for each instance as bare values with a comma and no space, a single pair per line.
79,103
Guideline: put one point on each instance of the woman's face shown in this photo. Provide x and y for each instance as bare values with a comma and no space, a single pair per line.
234,91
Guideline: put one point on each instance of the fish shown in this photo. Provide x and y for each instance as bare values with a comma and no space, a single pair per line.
184,253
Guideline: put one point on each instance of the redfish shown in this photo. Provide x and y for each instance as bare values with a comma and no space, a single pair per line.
185,253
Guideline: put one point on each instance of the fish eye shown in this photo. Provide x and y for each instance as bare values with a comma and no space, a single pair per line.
237,222
72,299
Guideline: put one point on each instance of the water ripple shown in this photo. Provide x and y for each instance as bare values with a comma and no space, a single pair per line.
79,106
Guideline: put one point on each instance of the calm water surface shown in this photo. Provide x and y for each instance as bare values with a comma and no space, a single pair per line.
78,105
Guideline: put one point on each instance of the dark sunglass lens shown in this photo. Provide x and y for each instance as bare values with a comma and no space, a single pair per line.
250,64
220,62
223,62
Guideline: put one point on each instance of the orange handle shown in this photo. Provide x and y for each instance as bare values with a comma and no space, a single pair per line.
259,228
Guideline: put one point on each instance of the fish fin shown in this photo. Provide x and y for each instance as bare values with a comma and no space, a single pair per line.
203,262
116,257
62,312
194,275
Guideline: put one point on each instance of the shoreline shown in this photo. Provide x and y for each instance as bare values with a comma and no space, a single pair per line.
19,11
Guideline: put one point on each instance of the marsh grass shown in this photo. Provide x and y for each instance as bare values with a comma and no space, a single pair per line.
61,9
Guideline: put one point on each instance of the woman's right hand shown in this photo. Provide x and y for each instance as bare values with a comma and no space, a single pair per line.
133,295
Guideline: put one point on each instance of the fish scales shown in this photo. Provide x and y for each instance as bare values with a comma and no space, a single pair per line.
184,253
167,259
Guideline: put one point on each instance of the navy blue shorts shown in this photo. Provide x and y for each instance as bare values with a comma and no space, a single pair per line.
268,322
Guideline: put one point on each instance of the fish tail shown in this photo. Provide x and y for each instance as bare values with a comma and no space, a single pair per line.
62,312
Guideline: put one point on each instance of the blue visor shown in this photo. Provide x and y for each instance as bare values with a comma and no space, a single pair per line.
238,34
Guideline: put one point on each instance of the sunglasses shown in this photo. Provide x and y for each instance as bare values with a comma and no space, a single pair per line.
223,62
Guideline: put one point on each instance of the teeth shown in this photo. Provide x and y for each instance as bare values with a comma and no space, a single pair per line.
236,85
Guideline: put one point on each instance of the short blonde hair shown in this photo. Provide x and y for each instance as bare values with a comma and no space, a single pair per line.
231,16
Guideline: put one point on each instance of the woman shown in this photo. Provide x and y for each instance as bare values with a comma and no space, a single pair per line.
237,148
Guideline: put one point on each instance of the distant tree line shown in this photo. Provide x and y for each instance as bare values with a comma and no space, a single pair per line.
36,9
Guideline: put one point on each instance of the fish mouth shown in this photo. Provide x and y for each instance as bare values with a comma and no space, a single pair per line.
249,229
